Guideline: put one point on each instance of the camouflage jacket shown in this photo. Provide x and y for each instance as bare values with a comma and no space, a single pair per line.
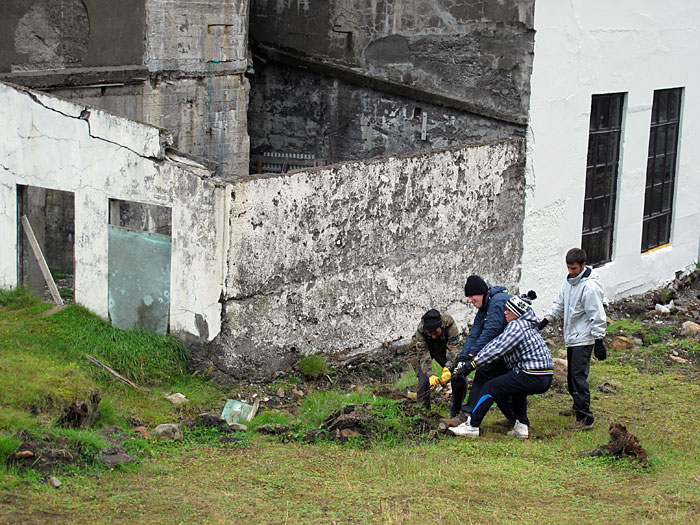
444,348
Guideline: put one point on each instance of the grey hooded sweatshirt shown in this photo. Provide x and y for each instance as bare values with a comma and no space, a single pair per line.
580,303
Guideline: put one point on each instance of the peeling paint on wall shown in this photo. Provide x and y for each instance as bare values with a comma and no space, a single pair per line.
51,143
315,257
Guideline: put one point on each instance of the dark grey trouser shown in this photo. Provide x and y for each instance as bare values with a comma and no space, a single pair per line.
481,377
579,364
459,391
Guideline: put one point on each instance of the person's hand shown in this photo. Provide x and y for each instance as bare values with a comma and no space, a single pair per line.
446,376
544,322
434,380
599,350
463,368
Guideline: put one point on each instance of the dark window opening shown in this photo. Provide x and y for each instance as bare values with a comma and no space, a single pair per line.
601,176
51,217
661,168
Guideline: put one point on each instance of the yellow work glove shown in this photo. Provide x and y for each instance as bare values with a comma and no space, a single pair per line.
434,380
446,376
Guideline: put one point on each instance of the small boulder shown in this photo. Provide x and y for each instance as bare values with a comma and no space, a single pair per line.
168,432
608,386
55,482
237,427
116,455
561,369
620,342
177,398
280,392
690,329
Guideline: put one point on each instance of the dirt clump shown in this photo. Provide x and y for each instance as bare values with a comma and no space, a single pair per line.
622,444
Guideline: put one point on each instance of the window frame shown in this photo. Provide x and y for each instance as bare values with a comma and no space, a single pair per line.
662,168
602,169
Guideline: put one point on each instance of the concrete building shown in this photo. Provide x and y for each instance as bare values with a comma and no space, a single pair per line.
593,105
614,116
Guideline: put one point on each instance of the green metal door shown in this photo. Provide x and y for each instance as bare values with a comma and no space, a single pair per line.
139,279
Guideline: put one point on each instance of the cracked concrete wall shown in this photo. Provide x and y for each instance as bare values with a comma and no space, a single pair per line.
55,144
175,64
340,121
349,257
468,62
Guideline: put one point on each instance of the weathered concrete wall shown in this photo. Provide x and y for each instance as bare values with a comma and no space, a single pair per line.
174,64
51,143
295,112
636,48
350,257
36,35
476,54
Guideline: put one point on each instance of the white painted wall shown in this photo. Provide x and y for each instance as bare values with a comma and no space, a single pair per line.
587,47
44,142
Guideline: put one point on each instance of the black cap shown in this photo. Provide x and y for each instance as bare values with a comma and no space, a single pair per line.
475,286
432,320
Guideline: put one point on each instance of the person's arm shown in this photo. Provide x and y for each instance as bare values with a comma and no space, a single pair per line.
595,312
557,309
418,354
473,337
452,336
494,324
511,337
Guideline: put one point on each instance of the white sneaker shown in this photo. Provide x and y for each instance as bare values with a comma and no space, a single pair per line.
520,430
465,429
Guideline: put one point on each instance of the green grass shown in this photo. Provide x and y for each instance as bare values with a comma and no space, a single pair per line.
43,370
313,365
392,479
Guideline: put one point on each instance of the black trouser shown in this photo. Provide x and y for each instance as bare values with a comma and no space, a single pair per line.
516,385
459,390
481,377
579,364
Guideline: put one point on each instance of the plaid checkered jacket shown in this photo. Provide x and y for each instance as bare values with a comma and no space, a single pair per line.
521,347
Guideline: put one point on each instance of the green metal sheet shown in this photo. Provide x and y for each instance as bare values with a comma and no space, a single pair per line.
139,279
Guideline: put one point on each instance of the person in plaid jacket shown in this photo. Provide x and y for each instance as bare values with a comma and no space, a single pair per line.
530,365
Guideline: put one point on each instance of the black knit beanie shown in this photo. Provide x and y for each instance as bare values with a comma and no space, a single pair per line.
432,320
475,286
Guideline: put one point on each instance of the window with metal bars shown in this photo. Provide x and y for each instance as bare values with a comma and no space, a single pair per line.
601,176
661,168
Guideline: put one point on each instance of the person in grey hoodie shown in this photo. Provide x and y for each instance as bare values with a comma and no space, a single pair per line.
580,304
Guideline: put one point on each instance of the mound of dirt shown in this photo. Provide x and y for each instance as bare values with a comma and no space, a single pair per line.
622,444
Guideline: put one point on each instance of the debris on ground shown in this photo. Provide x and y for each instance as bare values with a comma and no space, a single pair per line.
177,398
622,444
116,455
81,413
608,386
168,432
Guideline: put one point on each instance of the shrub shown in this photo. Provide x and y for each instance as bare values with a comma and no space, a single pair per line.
313,365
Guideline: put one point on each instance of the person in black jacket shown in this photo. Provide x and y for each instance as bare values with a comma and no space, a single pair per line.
489,323
529,363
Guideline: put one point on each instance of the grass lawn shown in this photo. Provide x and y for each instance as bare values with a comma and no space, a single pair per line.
491,479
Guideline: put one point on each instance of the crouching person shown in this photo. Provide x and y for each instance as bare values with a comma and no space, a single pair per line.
437,337
530,369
